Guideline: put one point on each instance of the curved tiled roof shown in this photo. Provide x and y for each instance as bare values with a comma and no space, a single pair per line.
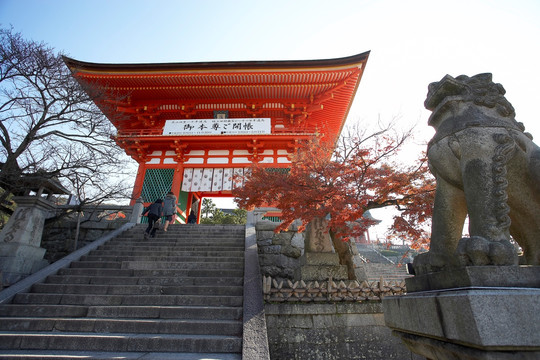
299,95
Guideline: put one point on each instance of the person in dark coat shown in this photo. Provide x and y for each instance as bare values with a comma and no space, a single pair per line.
169,209
192,218
154,211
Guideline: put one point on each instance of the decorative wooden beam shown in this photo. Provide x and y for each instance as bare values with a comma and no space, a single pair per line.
254,146
135,149
180,150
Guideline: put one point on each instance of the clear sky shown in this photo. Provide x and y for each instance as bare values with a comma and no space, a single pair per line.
412,42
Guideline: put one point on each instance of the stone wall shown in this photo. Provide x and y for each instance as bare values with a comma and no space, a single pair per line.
279,253
315,328
59,238
331,331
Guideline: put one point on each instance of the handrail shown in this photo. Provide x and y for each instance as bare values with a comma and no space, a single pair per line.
25,284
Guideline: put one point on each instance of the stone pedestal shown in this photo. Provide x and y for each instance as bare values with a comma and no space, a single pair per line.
491,313
320,266
20,240
138,209
319,261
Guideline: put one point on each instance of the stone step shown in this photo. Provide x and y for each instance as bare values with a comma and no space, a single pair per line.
148,280
137,289
155,272
185,234
196,253
168,239
120,342
186,247
171,237
139,312
176,296
389,272
135,326
150,257
128,300
152,265
104,355
196,229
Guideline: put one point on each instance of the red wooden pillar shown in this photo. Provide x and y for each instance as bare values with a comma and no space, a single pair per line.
189,201
177,179
137,187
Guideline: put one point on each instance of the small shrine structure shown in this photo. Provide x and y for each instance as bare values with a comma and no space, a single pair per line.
193,126
21,253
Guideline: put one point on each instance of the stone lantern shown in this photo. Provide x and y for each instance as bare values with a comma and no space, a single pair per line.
20,240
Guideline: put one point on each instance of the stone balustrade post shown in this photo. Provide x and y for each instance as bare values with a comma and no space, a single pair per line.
136,214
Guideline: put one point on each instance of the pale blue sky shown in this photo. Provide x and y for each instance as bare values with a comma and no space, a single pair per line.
412,42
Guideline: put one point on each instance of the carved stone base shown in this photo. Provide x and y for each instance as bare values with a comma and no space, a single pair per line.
474,323
477,276
19,260
20,239
320,266
440,350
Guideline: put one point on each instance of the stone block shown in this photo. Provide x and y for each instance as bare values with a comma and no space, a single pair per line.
315,259
321,272
299,309
317,236
485,276
360,320
484,319
291,251
298,322
323,321
26,259
270,259
272,249
440,350
265,234
298,240
282,238
14,249
265,225
334,335
264,242
371,307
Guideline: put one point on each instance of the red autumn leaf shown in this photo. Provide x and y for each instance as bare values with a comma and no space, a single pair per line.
343,182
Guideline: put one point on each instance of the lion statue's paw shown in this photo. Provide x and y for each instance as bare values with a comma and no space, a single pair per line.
478,251
430,262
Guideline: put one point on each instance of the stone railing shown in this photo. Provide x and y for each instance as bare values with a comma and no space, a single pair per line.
79,228
99,213
329,291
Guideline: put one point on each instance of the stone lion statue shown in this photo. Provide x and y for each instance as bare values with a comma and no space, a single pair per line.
486,167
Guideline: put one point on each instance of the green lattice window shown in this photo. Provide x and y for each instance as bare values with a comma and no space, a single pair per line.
278,170
272,218
157,183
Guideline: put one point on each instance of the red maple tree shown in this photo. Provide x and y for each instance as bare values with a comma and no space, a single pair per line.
342,182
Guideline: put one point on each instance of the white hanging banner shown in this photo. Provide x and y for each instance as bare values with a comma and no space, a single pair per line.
186,180
217,181
227,178
239,126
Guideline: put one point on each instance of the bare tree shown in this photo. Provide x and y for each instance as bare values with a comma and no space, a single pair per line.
50,126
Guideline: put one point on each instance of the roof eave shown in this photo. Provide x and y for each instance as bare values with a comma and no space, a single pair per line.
354,60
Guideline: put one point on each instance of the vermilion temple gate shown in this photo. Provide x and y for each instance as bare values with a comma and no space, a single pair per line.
191,126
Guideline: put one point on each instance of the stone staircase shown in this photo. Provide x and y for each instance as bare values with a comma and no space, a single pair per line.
177,296
389,272
371,255
378,266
